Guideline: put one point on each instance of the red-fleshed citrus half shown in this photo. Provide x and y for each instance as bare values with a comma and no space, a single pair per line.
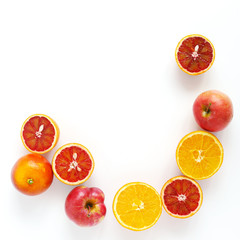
181,197
39,133
73,164
195,54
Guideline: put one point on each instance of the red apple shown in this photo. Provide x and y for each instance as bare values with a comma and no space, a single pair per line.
85,206
213,110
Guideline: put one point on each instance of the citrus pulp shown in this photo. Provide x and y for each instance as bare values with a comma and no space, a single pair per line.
195,54
73,164
137,206
199,155
181,197
39,133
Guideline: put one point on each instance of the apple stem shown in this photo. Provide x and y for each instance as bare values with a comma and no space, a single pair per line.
89,212
208,107
89,206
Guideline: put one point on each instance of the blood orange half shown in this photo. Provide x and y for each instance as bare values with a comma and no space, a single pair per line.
181,197
39,133
195,54
73,164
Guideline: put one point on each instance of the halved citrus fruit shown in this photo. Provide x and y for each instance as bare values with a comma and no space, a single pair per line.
195,54
137,206
73,164
39,133
181,197
199,155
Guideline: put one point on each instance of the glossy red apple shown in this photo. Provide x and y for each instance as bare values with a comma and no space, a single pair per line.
85,206
213,110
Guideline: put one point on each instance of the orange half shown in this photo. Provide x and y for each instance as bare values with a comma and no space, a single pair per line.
195,54
137,206
181,196
73,164
39,133
199,155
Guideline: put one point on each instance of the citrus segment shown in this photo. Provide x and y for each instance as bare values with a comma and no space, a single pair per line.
73,164
181,197
199,155
195,54
137,206
39,133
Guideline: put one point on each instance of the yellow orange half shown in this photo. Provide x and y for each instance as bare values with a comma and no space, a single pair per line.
137,206
199,155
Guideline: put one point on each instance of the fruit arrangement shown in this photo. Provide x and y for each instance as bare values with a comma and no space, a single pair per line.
136,206
72,164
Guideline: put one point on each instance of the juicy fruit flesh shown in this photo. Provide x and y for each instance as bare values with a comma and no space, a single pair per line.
195,54
199,155
73,164
137,207
38,133
181,197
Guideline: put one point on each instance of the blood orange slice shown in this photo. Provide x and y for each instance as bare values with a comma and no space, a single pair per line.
73,164
195,54
39,133
181,197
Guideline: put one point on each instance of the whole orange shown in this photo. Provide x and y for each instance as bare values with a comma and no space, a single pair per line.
32,174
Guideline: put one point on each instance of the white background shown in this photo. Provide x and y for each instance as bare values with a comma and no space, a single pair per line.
105,72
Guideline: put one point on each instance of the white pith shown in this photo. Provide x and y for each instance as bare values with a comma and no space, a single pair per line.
200,157
181,197
195,53
138,207
39,132
74,164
